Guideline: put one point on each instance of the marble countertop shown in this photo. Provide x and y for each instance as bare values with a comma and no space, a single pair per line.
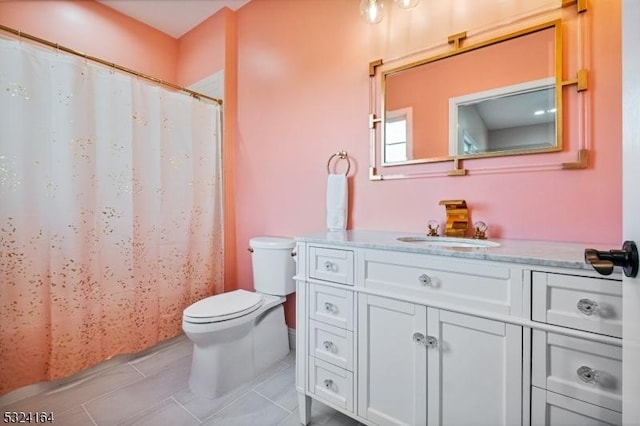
531,252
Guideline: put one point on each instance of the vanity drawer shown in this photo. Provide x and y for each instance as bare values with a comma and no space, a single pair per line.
331,305
450,280
589,304
551,409
581,369
331,344
331,383
334,265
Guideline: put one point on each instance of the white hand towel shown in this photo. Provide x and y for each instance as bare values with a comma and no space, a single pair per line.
336,202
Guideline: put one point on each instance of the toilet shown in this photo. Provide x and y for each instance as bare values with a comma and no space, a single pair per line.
239,334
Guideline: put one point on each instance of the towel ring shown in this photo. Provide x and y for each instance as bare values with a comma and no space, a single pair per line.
342,155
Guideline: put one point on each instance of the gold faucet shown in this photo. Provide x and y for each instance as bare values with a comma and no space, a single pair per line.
457,218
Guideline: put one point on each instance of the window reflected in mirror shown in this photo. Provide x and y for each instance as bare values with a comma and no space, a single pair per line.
398,136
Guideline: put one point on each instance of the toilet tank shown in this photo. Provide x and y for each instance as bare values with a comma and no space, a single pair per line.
273,265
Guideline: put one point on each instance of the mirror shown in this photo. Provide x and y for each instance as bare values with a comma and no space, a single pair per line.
471,102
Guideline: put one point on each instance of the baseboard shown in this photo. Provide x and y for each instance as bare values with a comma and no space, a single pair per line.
292,338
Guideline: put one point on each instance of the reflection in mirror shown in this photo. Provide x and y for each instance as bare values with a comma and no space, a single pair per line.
415,104
398,135
519,117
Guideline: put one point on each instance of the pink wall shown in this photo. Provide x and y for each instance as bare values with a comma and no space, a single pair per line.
202,50
96,30
303,95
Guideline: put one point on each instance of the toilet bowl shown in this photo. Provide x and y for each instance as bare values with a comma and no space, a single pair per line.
239,334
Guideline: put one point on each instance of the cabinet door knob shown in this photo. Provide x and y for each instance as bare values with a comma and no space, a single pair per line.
328,383
328,345
429,341
330,266
425,279
587,375
330,307
587,306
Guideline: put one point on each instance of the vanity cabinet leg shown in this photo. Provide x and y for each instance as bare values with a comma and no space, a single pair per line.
304,408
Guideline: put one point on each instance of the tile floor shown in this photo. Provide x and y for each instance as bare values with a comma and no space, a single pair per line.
151,389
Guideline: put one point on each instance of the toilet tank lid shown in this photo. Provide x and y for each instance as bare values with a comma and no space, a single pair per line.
272,243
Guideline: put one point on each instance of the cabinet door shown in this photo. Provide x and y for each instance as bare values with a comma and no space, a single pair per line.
392,366
475,373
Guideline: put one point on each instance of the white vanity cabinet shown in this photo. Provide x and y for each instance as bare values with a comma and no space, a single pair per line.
326,318
394,334
576,381
416,363
420,365
331,345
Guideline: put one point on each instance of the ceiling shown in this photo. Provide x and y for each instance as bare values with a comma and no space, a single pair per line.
173,17
519,109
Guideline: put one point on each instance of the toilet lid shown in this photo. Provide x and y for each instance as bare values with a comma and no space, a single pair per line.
223,306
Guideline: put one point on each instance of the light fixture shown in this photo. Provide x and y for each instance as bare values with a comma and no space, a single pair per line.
407,4
372,10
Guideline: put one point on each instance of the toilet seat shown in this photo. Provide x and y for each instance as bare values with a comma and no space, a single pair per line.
222,307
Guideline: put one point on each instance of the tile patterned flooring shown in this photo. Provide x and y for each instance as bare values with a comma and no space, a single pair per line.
151,389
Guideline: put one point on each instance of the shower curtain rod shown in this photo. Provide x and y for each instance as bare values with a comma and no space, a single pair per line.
20,34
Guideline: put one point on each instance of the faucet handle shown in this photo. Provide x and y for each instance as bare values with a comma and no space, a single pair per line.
480,230
432,228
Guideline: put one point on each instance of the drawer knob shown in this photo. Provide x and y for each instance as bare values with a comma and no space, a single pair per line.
330,308
328,383
587,306
328,345
587,375
428,341
425,279
330,266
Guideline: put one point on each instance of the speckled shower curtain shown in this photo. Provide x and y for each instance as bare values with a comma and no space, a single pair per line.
110,212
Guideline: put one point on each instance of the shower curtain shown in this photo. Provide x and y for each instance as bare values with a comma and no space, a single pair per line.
110,212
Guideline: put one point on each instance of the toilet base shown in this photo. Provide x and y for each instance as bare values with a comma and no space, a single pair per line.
236,355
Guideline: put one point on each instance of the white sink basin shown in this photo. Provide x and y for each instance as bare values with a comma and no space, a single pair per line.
449,242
